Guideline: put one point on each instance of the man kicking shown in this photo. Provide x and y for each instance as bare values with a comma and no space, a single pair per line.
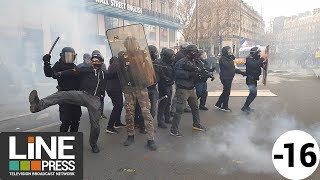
92,87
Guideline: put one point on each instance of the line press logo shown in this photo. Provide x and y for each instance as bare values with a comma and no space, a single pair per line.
41,155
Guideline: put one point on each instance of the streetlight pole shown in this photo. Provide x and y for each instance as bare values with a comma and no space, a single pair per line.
197,7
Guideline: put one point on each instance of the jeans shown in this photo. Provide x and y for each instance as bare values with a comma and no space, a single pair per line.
252,94
202,93
223,100
117,102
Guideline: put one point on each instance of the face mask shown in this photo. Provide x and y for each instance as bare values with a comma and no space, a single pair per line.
96,63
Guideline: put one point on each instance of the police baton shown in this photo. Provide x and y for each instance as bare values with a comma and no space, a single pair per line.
55,42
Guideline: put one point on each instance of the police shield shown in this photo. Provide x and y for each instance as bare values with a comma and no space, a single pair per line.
129,44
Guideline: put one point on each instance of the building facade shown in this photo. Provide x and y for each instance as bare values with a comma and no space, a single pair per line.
28,32
301,32
230,22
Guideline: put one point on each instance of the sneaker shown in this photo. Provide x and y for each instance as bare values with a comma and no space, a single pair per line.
162,125
151,145
226,109
250,109
34,101
198,127
143,131
112,130
95,149
129,141
175,133
117,126
245,109
218,107
203,108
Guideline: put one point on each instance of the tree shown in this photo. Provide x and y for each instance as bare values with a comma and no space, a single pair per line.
185,9
216,19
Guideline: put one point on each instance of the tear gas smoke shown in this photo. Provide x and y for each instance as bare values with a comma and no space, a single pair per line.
245,143
27,31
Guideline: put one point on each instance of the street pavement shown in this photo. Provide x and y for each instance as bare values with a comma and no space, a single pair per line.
235,146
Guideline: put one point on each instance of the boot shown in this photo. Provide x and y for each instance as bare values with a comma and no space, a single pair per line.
34,101
129,141
203,101
151,145
95,149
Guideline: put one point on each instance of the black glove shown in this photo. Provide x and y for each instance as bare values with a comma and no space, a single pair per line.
46,58
56,75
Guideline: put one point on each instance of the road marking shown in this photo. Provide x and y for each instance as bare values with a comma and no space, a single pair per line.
244,93
15,116
43,127
42,116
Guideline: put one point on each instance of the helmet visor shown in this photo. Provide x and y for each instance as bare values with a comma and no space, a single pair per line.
69,57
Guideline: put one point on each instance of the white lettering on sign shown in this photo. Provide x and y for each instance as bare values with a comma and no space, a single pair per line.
106,2
120,5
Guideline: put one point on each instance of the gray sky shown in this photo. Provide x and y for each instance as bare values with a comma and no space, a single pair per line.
274,8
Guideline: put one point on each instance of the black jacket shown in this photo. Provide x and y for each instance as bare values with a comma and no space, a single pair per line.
253,68
179,55
166,74
113,84
93,81
64,84
185,79
227,68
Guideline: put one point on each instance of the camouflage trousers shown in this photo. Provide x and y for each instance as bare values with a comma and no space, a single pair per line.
129,104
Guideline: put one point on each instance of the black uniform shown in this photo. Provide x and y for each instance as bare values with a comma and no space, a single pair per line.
69,114
165,82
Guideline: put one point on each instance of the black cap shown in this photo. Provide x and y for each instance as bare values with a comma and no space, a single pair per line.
254,50
191,48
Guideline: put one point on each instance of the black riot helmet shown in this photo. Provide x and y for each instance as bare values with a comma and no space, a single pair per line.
183,46
226,51
191,51
153,52
167,55
68,55
255,52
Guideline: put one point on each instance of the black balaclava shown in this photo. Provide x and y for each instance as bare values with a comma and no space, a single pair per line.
167,55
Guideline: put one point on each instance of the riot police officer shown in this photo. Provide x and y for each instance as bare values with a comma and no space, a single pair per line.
165,83
185,84
69,114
